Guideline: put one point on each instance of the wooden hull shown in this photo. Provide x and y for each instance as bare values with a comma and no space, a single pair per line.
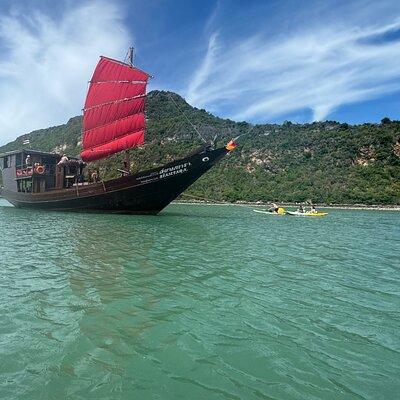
147,192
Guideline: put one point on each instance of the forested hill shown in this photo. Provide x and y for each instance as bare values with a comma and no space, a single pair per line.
327,162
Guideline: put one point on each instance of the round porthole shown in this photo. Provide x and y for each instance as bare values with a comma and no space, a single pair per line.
205,159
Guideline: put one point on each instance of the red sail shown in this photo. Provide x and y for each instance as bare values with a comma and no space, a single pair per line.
113,117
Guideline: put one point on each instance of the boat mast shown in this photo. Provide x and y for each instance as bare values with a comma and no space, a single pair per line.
127,162
131,56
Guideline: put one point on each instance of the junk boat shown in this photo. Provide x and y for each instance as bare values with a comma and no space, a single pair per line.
113,121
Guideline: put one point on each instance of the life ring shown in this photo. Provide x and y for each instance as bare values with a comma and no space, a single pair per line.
39,169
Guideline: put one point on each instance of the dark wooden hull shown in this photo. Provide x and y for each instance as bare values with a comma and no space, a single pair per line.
147,192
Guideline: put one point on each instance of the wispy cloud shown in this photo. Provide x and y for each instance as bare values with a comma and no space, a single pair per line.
318,69
203,72
46,63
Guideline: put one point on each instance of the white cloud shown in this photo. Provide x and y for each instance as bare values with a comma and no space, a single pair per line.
316,68
203,72
45,64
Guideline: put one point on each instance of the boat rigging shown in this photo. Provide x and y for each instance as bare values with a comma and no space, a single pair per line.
113,122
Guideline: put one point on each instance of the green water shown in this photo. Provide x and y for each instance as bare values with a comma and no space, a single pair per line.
201,302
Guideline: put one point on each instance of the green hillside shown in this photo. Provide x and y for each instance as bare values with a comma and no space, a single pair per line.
327,162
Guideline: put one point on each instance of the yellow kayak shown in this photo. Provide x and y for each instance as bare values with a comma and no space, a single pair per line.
307,214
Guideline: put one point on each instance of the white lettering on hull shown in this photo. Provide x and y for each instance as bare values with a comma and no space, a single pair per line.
165,173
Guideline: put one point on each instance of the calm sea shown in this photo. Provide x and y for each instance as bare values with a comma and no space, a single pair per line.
200,302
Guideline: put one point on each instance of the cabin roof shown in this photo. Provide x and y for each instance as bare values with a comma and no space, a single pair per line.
29,151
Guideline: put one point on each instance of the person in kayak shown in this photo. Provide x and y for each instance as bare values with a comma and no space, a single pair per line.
300,209
312,209
274,208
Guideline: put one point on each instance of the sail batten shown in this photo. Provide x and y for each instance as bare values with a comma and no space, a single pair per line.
141,96
113,114
100,82
138,116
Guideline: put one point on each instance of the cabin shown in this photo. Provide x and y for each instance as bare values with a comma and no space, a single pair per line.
32,171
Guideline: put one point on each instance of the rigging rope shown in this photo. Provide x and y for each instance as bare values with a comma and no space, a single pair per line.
187,119
245,133
185,116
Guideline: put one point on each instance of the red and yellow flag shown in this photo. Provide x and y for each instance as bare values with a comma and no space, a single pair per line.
231,145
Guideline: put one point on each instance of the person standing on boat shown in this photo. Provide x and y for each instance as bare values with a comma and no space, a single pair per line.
64,160
95,177
81,167
28,160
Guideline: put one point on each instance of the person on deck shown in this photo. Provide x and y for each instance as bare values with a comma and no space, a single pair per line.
81,167
64,160
28,160
95,176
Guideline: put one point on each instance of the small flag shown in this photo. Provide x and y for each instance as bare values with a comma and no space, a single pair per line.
26,141
231,145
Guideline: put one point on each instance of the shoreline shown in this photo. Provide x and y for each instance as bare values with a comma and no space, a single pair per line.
390,207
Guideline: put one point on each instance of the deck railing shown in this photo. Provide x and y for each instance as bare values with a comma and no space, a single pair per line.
24,170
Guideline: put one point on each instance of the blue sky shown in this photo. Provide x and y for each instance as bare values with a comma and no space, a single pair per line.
260,61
